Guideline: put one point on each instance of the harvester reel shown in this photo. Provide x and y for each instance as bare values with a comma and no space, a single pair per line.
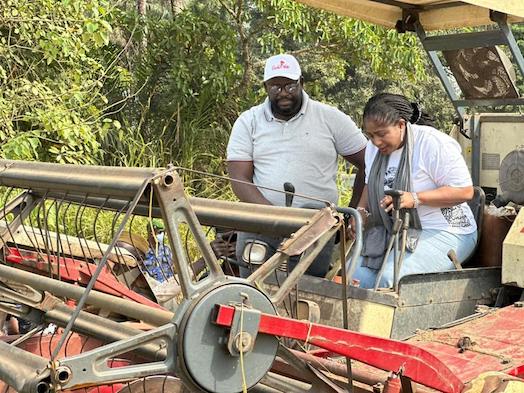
191,343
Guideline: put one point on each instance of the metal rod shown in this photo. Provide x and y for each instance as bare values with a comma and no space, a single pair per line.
502,21
19,368
405,228
125,307
80,179
122,184
396,250
464,40
475,127
363,376
102,329
345,312
100,266
247,217
299,270
351,264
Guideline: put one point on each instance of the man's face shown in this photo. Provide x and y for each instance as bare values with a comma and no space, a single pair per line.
285,95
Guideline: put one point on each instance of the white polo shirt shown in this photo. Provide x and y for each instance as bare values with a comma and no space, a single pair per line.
302,150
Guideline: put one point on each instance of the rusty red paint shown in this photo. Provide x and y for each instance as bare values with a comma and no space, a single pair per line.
73,270
497,344
517,371
414,362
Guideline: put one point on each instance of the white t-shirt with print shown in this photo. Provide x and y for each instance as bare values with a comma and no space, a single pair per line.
437,162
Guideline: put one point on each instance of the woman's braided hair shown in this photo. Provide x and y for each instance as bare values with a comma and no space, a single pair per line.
387,108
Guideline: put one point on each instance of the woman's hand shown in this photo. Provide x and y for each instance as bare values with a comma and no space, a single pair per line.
407,201
445,196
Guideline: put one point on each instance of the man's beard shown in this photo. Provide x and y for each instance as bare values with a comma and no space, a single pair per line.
290,110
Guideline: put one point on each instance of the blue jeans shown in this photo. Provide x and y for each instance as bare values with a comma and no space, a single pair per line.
431,255
318,268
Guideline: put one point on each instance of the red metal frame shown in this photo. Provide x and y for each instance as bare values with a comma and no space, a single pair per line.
73,270
406,359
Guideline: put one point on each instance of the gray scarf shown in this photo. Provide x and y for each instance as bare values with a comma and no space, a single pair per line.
380,224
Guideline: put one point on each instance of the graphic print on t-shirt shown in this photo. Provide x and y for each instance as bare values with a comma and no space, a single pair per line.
455,216
389,177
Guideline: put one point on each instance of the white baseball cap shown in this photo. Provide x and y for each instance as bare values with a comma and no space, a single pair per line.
282,65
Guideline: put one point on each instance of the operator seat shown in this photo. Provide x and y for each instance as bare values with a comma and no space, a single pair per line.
476,204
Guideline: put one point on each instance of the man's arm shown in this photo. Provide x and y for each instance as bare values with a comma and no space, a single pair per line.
243,170
357,160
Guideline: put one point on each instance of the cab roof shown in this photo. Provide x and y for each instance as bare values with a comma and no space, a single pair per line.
433,14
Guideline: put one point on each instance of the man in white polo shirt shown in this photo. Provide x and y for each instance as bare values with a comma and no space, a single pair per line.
292,138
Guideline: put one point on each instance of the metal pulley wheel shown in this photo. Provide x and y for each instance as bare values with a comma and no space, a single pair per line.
207,352
511,176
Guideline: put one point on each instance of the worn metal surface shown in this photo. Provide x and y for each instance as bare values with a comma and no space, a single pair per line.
21,369
416,363
426,300
432,300
111,303
496,343
304,238
91,180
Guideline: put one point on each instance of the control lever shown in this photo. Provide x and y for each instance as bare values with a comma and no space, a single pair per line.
393,243
395,194
289,188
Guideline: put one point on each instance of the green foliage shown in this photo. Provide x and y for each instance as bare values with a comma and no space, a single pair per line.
193,72
86,82
51,104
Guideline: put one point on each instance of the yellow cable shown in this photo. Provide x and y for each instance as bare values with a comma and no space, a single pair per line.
241,349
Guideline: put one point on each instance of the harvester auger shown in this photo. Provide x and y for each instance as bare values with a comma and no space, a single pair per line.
223,336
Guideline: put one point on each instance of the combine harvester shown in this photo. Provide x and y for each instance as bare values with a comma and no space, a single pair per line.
119,331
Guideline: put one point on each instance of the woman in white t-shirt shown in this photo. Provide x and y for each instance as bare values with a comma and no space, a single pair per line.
405,152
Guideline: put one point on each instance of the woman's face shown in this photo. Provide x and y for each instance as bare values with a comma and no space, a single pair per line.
387,138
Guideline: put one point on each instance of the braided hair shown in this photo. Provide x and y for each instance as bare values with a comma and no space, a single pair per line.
388,108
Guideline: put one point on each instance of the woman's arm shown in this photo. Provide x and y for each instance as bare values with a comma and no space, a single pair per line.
445,196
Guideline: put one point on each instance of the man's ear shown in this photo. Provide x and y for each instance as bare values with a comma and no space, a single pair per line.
301,81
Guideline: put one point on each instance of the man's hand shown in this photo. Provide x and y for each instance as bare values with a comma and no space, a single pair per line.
223,245
364,214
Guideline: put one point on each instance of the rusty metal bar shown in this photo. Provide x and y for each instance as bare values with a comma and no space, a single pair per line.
80,179
247,217
76,182
102,329
176,210
20,369
131,309
250,217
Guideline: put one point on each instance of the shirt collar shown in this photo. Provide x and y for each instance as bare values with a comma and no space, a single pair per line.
271,117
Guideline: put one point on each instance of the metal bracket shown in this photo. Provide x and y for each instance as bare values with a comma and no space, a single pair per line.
244,330
92,368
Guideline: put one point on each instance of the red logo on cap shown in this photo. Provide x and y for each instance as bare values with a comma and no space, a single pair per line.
280,66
